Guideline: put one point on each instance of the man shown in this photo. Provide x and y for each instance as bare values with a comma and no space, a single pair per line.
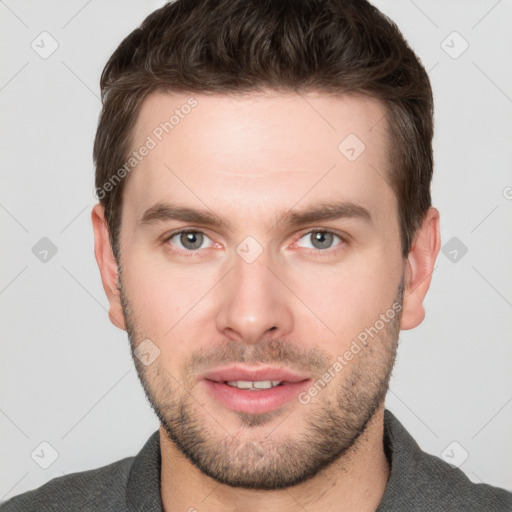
264,232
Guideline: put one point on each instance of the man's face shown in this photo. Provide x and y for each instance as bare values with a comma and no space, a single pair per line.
256,291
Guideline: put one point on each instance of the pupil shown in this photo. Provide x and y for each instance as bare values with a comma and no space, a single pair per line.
322,240
191,240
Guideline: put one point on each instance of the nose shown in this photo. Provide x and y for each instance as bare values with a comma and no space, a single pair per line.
254,304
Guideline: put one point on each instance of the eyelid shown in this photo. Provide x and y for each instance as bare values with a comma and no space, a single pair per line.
167,237
344,239
342,236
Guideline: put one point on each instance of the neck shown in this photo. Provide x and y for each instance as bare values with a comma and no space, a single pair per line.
356,481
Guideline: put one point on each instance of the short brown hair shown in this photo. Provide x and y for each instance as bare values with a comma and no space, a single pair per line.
234,46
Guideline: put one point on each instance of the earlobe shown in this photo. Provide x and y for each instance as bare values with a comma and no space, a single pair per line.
107,265
419,268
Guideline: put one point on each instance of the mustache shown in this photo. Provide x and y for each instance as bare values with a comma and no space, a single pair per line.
274,351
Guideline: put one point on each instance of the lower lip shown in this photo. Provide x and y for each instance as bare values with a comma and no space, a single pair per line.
254,402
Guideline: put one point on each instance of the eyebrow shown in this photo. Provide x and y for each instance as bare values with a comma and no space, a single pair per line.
162,212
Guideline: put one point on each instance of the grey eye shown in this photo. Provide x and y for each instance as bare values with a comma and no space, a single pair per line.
189,240
320,239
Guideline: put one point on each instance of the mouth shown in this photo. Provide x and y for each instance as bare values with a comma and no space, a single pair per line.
254,386
254,391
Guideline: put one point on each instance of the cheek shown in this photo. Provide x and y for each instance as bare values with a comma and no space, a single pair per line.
166,299
159,315
348,297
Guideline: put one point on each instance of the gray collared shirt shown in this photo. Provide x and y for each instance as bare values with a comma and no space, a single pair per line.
418,482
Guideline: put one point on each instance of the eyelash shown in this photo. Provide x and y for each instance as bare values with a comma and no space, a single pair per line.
329,251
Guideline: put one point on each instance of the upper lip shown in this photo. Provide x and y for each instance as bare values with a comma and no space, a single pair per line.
232,373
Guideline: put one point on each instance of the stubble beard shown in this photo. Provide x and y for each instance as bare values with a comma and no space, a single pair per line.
265,459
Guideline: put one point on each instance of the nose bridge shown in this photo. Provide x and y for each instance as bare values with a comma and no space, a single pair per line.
253,301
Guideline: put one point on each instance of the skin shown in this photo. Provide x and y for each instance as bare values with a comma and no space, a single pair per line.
249,159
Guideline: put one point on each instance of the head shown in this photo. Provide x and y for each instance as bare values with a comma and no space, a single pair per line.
293,142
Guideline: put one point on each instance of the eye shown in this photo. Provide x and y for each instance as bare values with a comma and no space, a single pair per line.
320,239
189,241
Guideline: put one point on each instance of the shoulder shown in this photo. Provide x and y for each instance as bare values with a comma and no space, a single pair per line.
448,486
421,481
93,490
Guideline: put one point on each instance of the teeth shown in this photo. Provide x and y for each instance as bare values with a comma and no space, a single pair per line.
261,384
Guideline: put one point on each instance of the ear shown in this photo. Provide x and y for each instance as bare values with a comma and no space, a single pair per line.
107,265
419,268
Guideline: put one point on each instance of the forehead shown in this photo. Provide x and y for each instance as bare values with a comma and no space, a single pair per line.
263,149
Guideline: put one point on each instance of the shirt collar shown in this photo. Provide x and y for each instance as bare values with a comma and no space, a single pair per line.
143,486
403,454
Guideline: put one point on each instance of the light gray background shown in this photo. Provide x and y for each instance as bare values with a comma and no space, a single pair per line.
66,373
